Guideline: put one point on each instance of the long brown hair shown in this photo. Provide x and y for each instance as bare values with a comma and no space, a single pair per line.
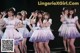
74,14
46,13
25,14
37,19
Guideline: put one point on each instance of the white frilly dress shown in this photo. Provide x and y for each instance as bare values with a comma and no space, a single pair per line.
63,27
11,32
71,31
42,34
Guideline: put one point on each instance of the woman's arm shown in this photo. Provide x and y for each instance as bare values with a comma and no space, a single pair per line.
4,24
31,15
33,21
4,14
30,27
62,18
78,25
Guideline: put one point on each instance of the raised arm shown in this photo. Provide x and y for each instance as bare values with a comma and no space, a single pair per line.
61,18
4,14
31,15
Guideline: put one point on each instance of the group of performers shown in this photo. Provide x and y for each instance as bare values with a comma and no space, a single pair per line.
39,22
40,33
68,29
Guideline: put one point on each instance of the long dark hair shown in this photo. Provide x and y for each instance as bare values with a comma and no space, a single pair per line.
46,13
19,15
74,14
10,9
65,8
25,14
37,19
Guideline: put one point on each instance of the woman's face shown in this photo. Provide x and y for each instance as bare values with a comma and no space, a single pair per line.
18,16
46,16
10,13
66,11
71,12
40,15
35,15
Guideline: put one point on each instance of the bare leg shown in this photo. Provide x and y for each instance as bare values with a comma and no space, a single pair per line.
35,47
41,47
39,51
47,48
16,49
20,46
68,49
24,45
72,46
25,49
64,42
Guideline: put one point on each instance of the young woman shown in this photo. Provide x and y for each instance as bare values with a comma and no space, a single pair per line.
42,34
21,30
71,31
25,21
47,34
35,32
33,23
62,29
11,32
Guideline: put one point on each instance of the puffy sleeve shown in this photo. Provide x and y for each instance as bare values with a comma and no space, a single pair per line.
50,21
5,19
76,18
